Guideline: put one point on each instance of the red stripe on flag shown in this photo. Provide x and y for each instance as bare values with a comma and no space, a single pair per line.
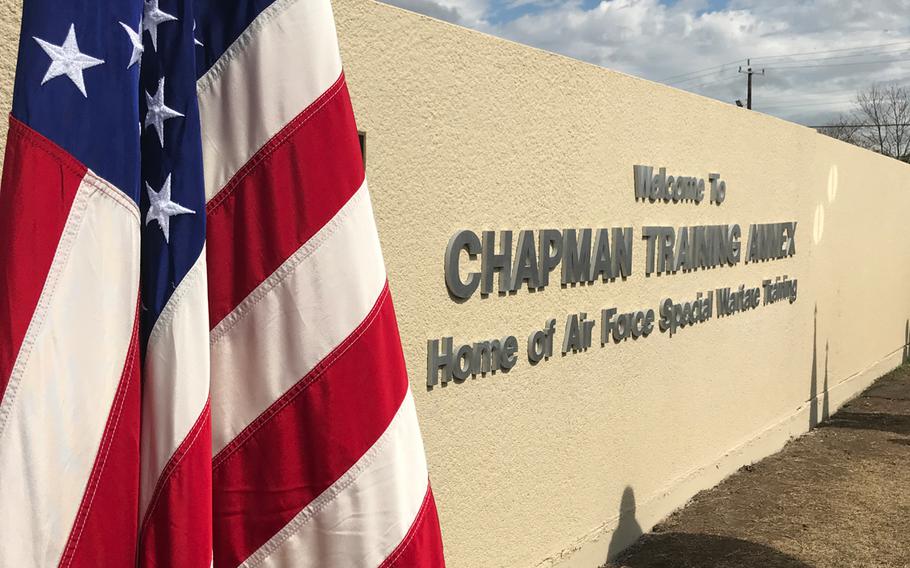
422,546
177,529
293,186
40,181
309,438
106,524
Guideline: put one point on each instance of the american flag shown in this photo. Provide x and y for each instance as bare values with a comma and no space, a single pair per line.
199,358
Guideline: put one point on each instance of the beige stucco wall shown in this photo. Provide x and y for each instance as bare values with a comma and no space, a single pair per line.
470,132
467,131
10,17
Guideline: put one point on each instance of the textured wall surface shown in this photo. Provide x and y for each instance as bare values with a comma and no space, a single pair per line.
470,132
10,17
467,131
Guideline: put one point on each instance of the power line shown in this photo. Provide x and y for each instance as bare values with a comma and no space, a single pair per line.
810,94
861,125
850,56
709,83
784,67
797,66
698,71
833,50
823,103
699,77
854,90
707,71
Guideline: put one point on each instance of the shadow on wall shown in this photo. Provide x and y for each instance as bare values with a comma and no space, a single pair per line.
813,381
906,358
685,550
627,530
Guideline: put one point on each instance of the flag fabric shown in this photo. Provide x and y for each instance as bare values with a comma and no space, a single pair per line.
199,358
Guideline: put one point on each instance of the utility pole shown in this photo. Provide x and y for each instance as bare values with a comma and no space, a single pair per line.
749,72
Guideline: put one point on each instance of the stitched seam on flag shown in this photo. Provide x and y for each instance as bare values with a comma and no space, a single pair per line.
287,268
393,559
205,82
166,318
89,187
172,465
71,164
109,191
170,310
37,140
65,161
326,498
69,551
275,143
61,257
309,379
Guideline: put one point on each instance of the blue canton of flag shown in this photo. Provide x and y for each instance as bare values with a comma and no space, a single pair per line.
172,196
81,75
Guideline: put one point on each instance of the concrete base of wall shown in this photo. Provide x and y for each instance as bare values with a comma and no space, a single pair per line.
594,549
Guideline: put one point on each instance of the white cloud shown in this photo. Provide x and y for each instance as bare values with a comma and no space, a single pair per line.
468,13
433,9
657,40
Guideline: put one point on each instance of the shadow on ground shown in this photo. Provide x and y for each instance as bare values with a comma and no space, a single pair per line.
836,498
893,423
683,550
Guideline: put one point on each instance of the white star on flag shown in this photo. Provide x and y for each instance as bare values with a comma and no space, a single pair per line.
67,60
136,41
195,39
158,112
161,208
152,18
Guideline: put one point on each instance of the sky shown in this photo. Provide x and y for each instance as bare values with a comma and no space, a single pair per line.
815,54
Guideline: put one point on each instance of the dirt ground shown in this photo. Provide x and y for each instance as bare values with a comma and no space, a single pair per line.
838,497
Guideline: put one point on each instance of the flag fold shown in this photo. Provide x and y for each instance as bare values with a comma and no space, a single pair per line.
199,358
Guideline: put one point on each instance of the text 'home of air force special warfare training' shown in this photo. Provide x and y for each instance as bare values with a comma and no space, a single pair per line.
503,262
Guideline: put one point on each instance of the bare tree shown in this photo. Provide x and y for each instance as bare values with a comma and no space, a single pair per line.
843,128
898,99
880,121
871,109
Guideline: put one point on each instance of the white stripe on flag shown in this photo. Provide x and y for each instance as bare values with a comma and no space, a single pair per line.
362,517
295,318
65,381
262,75
176,379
